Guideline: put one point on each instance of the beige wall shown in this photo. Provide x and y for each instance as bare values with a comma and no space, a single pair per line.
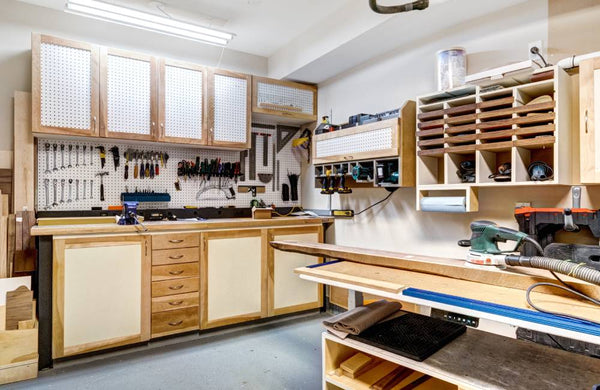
18,20
409,72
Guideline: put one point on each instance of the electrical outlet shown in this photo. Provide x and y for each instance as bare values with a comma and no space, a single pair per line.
537,44
518,205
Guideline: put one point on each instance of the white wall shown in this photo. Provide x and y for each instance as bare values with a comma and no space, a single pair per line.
18,20
405,73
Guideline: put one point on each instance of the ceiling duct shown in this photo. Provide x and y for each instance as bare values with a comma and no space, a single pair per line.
394,9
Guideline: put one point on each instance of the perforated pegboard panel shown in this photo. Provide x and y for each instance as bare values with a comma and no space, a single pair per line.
361,142
183,102
230,114
194,192
285,96
128,95
65,86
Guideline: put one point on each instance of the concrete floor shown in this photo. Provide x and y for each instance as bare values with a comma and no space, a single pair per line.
285,354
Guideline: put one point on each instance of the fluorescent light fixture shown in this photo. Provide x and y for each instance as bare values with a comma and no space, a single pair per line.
130,17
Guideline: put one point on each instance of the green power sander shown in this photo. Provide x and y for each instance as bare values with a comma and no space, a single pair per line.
485,236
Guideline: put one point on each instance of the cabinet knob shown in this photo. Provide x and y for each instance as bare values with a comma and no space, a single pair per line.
176,272
175,241
586,121
175,303
176,287
175,257
176,323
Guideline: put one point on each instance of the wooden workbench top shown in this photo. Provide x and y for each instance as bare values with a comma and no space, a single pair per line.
167,226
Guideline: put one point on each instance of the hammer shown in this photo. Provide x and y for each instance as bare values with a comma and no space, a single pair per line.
102,174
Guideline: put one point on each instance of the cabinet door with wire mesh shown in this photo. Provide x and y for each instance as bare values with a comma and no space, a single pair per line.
182,102
128,95
64,86
229,109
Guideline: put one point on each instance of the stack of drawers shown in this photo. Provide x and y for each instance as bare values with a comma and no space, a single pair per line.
175,283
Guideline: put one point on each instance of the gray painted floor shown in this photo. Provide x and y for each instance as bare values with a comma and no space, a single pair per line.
279,355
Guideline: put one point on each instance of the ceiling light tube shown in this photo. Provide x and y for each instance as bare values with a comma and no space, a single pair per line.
130,17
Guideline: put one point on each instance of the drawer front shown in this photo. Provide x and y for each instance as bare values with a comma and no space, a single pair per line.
174,271
175,321
176,286
173,241
174,256
173,302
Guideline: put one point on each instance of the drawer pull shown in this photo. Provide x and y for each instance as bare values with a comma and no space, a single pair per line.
175,241
176,272
176,323
176,287
175,303
175,257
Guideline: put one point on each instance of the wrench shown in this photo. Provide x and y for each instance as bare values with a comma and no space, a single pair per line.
55,185
47,188
70,188
84,147
91,189
62,156
84,189
54,148
76,189
70,153
91,156
62,191
47,146
76,155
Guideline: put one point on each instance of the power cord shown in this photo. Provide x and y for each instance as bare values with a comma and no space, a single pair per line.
378,202
535,50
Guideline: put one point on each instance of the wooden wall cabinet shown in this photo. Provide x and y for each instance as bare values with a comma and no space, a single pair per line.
101,293
589,103
229,114
128,95
65,86
233,272
182,102
287,292
285,102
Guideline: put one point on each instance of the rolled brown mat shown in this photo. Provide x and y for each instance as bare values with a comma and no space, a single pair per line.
361,318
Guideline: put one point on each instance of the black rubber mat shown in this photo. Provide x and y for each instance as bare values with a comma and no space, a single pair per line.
411,335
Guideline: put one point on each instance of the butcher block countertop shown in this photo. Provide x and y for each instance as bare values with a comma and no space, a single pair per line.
167,226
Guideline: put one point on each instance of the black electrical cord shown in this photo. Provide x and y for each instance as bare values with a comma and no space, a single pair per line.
535,50
564,286
374,204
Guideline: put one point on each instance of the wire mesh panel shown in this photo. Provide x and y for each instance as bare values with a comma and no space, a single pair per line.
128,95
230,109
183,102
66,83
283,98
367,141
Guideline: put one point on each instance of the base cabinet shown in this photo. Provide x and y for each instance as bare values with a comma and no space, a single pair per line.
101,294
233,272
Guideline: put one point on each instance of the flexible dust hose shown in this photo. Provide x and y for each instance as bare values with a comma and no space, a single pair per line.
578,271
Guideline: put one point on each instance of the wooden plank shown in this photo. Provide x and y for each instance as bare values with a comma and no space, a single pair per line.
11,244
4,266
463,119
431,152
536,143
431,124
23,156
461,128
431,132
430,115
466,108
496,146
381,278
516,277
534,130
459,139
496,134
431,142
18,307
461,149
496,102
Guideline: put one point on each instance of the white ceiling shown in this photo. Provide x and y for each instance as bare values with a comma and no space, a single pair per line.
261,26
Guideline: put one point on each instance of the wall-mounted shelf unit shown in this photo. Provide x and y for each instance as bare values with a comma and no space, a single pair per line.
284,102
382,147
516,122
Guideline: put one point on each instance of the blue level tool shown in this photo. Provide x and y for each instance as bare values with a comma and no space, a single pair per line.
322,264
572,324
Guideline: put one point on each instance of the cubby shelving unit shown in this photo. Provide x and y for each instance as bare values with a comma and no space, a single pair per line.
388,144
493,126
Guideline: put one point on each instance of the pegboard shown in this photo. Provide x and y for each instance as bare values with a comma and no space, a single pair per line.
128,86
194,192
230,114
183,102
65,86
356,143
285,96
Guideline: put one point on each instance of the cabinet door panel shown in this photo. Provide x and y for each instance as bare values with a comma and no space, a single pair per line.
589,79
230,109
128,89
65,86
233,274
182,101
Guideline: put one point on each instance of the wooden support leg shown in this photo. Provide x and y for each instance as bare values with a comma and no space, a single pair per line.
355,298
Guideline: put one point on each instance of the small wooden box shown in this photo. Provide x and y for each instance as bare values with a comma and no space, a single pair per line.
262,213
19,357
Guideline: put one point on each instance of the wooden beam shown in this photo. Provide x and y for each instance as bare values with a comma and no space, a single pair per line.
23,160
514,277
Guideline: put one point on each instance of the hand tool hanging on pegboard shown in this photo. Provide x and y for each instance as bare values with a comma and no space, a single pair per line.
116,158
102,155
101,174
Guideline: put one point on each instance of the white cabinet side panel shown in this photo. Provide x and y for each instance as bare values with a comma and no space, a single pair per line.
102,293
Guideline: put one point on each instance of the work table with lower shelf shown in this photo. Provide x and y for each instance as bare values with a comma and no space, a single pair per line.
102,286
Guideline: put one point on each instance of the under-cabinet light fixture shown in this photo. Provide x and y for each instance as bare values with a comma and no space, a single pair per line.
130,17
